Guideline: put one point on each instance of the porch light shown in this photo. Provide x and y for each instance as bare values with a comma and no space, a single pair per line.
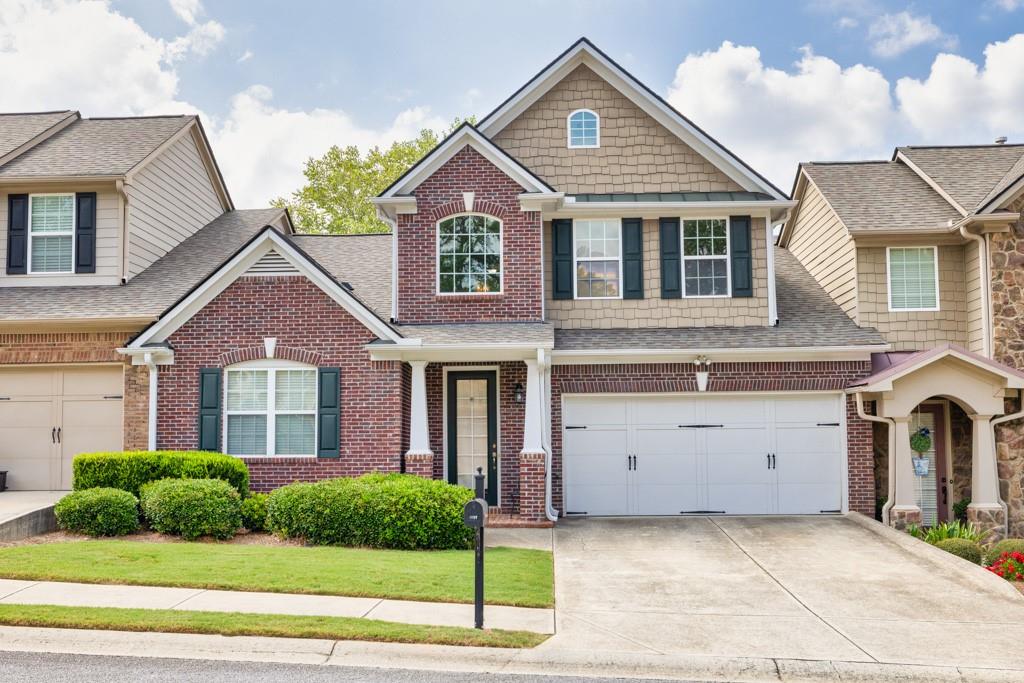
702,363
519,393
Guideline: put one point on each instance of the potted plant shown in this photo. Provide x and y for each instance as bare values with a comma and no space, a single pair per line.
921,443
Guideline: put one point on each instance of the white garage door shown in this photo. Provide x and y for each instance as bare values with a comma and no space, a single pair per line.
670,455
49,415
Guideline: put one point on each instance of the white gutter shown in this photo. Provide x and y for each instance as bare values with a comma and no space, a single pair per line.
891,499
986,289
544,370
153,375
995,422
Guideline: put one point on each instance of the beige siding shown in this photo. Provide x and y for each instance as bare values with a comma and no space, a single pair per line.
169,199
914,330
637,154
652,310
975,303
822,244
108,234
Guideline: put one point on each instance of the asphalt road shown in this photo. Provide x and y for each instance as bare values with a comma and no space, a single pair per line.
30,667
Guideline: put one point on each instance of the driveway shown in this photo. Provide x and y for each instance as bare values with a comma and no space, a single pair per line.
821,588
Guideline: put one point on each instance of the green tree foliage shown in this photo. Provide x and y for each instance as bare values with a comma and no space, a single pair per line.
340,184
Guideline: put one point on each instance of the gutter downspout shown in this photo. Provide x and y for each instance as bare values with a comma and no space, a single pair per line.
986,288
995,422
544,369
892,438
153,375
123,191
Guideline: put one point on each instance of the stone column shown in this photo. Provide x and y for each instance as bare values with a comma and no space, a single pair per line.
904,510
533,457
985,510
419,459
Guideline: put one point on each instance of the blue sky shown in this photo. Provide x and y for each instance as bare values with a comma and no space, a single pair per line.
278,82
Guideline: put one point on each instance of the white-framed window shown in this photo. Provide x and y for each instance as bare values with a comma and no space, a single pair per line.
584,129
469,254
913,275
706,267
270,410
597,249
51,233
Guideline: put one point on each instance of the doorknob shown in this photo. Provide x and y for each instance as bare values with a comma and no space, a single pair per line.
494,453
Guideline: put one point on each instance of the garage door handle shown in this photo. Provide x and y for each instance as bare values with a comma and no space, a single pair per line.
575,426
53,435
58,434
697,426
828,424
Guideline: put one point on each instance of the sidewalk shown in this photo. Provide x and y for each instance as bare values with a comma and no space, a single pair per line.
197,599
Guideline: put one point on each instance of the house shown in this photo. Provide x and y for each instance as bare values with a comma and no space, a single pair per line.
580,295
926,247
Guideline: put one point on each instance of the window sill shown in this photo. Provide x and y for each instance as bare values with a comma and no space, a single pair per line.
272,458
469,296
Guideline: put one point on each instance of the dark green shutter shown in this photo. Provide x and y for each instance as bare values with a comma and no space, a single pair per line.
741,253
671,259
17,234
209,409
561,255
85,232
328,413
632,258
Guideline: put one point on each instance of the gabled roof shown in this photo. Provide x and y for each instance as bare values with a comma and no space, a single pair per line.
362,261
882,380
585,52
966,174
463,136
19,130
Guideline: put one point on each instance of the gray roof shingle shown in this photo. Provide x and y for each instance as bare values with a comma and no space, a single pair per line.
807,318
496,334
17,129
967,173
363,261
880,195
1015,173
95,147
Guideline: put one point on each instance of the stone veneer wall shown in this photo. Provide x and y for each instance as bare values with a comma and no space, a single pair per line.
637,154
652,310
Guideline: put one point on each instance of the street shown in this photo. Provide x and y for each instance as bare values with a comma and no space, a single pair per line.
31,667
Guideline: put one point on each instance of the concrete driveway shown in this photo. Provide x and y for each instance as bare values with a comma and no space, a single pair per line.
817,588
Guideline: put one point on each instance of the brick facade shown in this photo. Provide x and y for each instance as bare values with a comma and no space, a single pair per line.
302,318
441,196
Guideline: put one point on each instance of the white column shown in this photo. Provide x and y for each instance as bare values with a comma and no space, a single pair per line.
419,433
153,393
905,497
984,473
533,420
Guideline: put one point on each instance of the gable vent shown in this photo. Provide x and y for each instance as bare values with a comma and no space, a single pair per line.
272,263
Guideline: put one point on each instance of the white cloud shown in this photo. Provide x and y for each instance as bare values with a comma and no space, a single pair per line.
1009,5
847,22
187,10
245,57
894,34
201,40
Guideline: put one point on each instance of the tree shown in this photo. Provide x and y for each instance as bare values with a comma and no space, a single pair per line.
340,184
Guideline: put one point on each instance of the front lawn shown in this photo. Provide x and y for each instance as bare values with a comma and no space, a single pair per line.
513,576
275,625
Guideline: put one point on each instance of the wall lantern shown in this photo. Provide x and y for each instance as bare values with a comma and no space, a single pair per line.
702,363
518,393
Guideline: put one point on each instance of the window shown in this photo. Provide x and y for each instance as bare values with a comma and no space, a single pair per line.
469,255
913,279
271,411
706,257
584,129
51,233
598,249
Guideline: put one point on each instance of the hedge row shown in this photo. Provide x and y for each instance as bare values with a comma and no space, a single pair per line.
131,470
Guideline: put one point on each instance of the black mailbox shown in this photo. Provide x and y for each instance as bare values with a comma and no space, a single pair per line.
474,515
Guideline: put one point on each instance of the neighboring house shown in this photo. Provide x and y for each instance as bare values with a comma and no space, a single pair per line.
928,249
580,295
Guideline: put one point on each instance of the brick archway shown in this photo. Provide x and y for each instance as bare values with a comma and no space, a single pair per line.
260,352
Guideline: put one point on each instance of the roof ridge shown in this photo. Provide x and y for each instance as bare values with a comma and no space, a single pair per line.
138,118
979,146
36,113
342,234
847,163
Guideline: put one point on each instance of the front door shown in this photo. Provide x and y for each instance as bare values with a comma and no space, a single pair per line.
932,489
473,429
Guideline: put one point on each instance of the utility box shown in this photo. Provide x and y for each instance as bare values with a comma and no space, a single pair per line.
474,515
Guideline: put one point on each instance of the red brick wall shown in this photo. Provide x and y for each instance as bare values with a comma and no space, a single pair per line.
735,377
311,325
441,196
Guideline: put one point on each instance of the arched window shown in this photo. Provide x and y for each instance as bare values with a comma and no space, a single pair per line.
469,255
584,129
270,408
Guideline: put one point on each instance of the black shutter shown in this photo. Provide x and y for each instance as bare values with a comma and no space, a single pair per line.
85,232
741,253
632,258
209,409
671,259
17,234
328,415
561,255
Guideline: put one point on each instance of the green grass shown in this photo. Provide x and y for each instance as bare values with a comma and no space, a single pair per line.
275,625
513,576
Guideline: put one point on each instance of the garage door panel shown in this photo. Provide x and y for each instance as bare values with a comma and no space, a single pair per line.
740,499
666,473
736,410
596,410
98,381
806,411
660,410
18,383
595,462
809,499
88,425
807,439
27,450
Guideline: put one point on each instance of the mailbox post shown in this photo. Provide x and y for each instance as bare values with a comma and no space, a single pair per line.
474,515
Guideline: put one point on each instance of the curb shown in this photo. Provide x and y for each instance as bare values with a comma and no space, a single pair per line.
32,523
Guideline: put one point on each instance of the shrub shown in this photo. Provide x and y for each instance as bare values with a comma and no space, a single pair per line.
254,512
1009,565
98,512
960,509
130,470
961,547
191,508
954,529
375,510
1008,545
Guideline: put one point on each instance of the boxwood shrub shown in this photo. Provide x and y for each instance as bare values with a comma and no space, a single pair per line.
191,508
962,547
254,512
375,510
1007,545
130,470
98,512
